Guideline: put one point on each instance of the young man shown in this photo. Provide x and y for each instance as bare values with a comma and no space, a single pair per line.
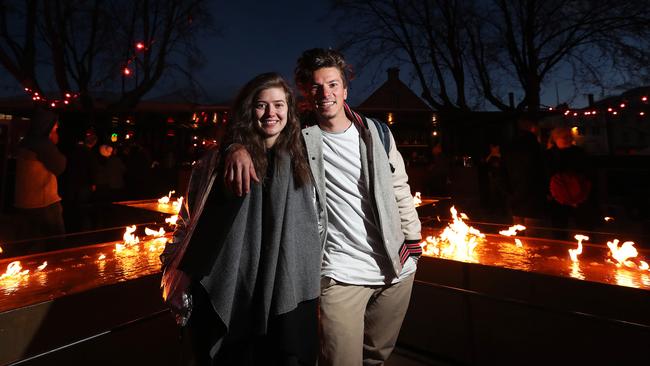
369,227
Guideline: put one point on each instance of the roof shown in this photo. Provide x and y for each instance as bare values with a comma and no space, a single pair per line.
394,95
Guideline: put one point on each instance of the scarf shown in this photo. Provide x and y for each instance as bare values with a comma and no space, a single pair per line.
257,256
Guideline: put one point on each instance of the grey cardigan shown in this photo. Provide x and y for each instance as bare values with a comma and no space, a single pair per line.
391,195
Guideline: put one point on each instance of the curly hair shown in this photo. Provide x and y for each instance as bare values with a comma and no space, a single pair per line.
318,58
243,128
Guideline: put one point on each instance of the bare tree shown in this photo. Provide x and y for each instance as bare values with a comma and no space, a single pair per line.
120,46
428,35
502,44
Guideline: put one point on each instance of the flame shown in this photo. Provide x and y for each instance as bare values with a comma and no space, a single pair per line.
518,243
101,257
128,237
644,266
623,253
574,253
178,204
42,266
512,230
171,220
0,249
154,233
417,199
608,218
459,239
15,270
164,200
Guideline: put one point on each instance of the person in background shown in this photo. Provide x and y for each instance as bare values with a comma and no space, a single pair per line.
525,177
370,230
38,163
250,265
496,181
570,184
80,183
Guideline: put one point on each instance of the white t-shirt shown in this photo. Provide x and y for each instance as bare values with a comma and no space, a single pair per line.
354,252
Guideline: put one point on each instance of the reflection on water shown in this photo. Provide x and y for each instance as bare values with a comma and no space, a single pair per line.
75,270
549,257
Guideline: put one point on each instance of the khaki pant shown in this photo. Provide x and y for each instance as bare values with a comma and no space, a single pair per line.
360,324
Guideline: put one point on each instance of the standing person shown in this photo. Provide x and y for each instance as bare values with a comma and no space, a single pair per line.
570,184
38,163
253,263
523,162
80,183
369,227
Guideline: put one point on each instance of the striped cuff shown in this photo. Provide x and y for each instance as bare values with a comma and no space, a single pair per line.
409,248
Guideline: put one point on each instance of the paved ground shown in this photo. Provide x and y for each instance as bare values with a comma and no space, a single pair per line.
402,357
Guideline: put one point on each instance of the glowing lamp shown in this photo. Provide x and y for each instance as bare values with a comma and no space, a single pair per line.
126,71
139,46
622,105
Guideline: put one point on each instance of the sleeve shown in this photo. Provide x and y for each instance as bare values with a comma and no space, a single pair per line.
411,226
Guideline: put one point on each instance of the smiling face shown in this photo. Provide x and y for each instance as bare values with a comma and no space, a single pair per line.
271,111
328,94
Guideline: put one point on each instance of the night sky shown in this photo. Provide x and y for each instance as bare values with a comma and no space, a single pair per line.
252,37
256,37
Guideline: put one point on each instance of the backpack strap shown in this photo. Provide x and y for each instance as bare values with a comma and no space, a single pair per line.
384,133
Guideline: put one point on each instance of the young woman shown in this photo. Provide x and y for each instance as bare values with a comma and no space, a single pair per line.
252,264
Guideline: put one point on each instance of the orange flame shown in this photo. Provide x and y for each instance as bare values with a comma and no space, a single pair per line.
623,253
42,266
171,220
458,238
164,200
154,233
574,253
512,230
128,237
417,199
14,269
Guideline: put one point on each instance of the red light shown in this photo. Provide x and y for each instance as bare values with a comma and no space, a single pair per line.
593,112
622,105
53,104
609,109
126,71
575,113
68,95
614,112
641,113
36,93
139,46
567,113
65,102
644,99
550,108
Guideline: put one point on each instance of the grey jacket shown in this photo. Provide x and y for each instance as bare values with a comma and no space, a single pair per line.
395,212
